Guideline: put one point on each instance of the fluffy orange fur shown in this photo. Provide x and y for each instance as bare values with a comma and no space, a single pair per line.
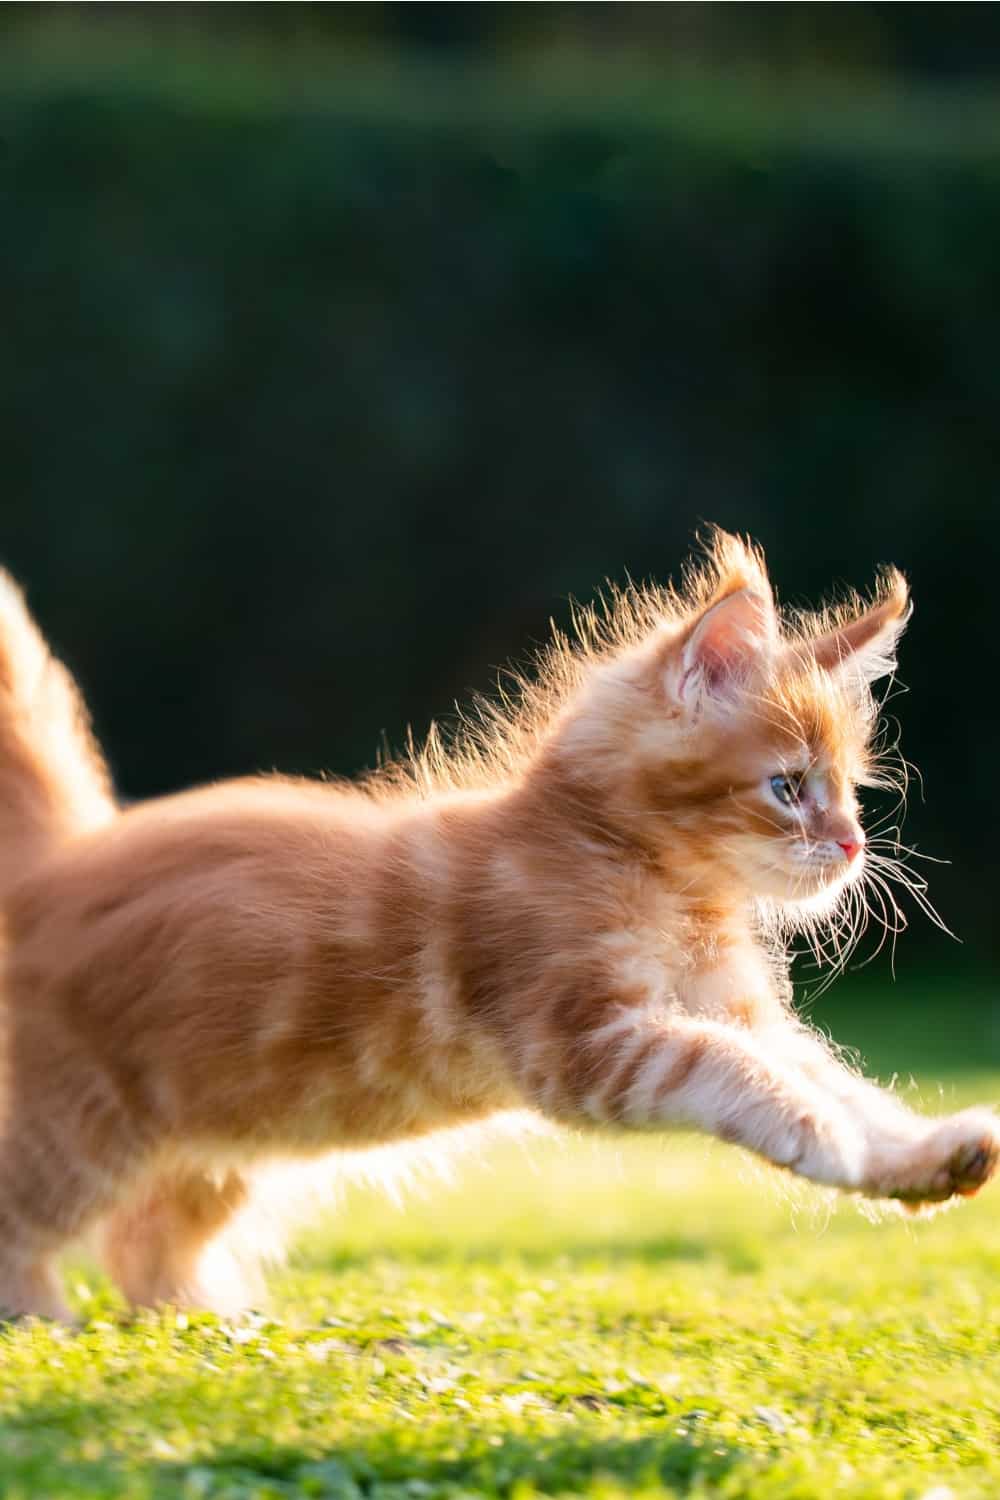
576,908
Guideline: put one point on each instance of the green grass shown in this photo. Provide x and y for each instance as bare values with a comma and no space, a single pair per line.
567,1317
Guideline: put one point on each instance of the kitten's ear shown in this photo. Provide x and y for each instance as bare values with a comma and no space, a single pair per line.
726,646
866,644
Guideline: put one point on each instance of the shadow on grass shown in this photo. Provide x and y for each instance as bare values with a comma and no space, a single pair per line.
680,1456
43,1453
736,1254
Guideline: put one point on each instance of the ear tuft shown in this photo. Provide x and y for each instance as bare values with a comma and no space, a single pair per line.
865,642
725,646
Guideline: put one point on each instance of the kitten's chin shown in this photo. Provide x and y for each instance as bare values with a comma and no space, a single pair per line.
812,892
820,901
799,911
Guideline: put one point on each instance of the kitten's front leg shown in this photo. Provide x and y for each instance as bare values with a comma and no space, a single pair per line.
643,1067
907,1156
640,1067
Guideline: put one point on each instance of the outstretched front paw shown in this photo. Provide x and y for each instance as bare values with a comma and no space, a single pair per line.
955,1157
975,1161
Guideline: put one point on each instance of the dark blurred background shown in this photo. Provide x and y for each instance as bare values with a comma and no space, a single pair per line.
343,344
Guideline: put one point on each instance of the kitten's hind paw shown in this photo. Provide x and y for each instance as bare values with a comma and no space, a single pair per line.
955,1158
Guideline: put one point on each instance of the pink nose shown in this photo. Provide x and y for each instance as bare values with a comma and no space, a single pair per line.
851,847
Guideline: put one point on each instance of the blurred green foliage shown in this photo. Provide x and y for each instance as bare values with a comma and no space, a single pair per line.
320,396
918,40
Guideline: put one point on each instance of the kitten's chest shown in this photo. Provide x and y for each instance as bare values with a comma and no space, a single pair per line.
687,964
735,985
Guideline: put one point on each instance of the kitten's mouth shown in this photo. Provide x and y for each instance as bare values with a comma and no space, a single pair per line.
842,864
806,878
800,872
824,874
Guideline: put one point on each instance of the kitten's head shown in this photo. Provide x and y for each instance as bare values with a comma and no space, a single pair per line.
742,734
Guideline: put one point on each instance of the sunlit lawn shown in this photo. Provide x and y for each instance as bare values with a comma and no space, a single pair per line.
567,1317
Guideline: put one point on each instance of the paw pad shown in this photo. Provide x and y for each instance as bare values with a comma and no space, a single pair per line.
973,1166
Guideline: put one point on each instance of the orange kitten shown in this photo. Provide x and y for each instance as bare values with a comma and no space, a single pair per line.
569,913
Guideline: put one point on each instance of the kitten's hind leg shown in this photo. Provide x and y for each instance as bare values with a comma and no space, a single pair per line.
165,1245
30,1287
46,1199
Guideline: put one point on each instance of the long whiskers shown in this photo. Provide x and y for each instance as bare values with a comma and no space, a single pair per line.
833,936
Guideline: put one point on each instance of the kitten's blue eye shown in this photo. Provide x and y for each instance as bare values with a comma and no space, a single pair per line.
787,789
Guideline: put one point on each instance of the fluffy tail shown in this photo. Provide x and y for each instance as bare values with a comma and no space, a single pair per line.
54,782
